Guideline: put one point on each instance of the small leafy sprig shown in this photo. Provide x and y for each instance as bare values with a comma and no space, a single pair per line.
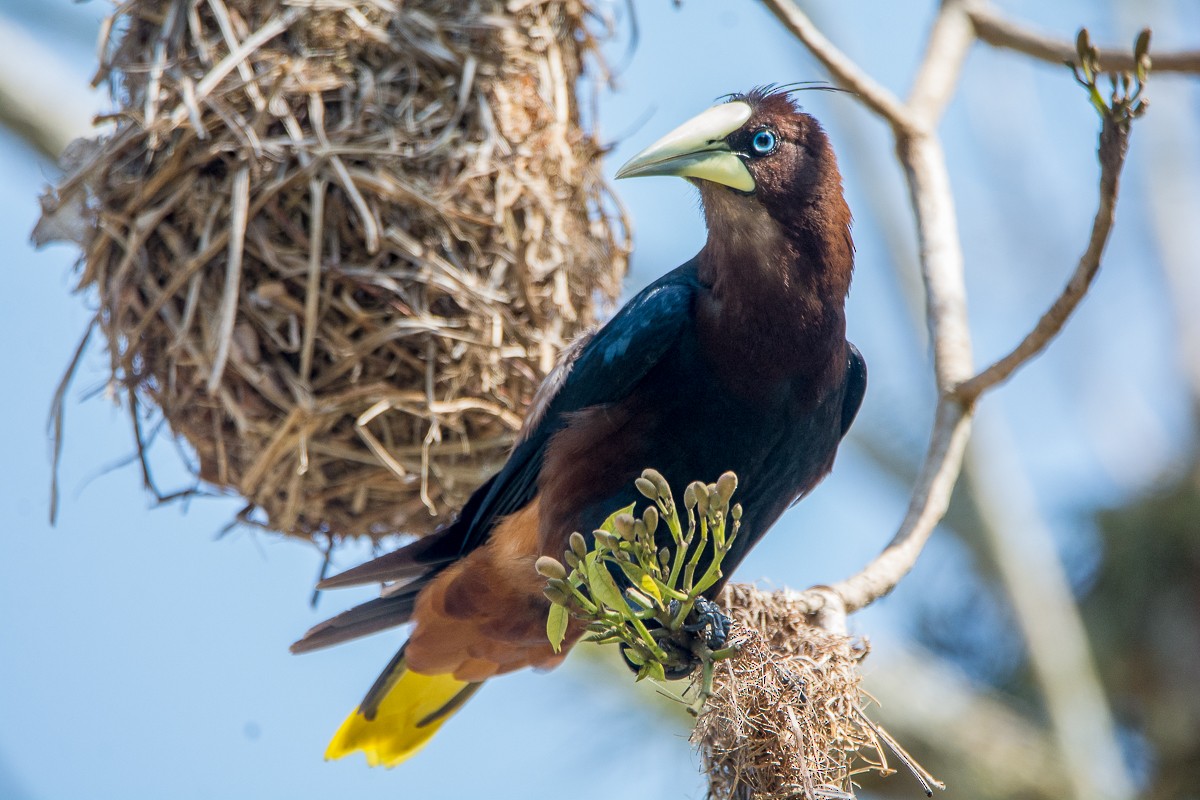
661,619
1125,102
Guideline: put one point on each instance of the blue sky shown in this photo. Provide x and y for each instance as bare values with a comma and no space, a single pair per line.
143,657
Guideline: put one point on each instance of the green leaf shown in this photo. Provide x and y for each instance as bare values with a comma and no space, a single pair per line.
556,625
647,585
603,588
653,670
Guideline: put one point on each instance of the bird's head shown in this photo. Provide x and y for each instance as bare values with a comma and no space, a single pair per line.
754,151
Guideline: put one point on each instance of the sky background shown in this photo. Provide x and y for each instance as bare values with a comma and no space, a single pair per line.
144,656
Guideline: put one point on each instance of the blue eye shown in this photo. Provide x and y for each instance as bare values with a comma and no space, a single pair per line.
763,142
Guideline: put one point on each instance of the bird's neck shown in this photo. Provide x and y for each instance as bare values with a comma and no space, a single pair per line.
778,290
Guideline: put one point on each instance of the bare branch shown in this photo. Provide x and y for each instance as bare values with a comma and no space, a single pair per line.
47,126
937,76
941,258
930,498
992,27
844,71
920,152
1114,142
946,310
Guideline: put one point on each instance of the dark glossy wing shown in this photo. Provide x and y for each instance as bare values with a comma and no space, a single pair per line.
856,386
604,369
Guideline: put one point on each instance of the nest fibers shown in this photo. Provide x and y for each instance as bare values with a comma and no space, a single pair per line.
338,243
786,719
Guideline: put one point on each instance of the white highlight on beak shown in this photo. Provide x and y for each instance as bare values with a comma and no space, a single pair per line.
697,149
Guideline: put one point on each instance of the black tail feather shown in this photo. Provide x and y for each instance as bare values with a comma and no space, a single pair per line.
370,617
416,560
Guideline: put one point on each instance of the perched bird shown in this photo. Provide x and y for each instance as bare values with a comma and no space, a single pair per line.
736,360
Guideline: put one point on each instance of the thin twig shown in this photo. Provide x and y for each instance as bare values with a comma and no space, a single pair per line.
58,414
930,499
1114,142
312,287
841,68
991,27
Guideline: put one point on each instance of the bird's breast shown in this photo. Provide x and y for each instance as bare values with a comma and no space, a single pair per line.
691,423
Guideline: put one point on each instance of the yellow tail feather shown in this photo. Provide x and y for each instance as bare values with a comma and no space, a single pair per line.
394,734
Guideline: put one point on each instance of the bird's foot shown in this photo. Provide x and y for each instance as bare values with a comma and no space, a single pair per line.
711,622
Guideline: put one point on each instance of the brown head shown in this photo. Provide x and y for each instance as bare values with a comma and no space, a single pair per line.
778,224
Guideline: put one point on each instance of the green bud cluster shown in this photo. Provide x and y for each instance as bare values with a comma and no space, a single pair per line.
1125,101
665,581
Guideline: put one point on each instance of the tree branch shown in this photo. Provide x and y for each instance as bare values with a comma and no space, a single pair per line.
44,106
991,27
1117,119
927,506
1114,142
919,149
842,69
937,76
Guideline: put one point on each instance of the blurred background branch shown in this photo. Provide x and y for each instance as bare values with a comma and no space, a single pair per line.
40,98
992,27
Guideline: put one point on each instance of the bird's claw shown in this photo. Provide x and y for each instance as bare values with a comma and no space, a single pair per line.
711,621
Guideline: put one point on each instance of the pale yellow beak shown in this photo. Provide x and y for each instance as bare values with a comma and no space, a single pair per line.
697,149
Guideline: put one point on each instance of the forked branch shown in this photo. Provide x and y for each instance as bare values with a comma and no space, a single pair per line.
994,29
914,126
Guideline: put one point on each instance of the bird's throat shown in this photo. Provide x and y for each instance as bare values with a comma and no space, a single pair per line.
776,298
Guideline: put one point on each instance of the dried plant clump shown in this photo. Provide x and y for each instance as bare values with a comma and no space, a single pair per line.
785,719
337,244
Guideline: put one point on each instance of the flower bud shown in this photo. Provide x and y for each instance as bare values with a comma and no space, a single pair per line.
726,484
650,518
555,595
607,540
578,544
647,488
550,567
623,524
655,477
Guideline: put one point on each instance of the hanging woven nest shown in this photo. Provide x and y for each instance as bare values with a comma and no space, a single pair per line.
337,244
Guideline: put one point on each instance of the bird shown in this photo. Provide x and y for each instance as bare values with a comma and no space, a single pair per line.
737,360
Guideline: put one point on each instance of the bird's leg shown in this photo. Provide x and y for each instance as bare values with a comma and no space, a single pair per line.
709,618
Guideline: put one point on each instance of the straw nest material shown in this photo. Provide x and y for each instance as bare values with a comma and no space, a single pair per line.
337,243
786,717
